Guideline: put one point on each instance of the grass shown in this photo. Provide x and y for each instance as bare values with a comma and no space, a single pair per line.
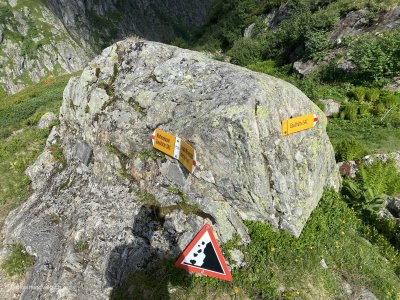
28,105
20,141
81,246
58,154
18,261
279,266
378,137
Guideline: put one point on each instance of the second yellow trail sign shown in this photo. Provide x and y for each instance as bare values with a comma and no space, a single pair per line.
297,124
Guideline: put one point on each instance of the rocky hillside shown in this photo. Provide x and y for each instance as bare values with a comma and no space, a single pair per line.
33,44
106,205
39,38
99,21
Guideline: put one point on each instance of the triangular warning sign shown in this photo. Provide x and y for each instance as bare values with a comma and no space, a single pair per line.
204,256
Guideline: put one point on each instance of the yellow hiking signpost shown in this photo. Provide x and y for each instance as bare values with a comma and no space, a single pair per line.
176,148
165,142
297,124
187,156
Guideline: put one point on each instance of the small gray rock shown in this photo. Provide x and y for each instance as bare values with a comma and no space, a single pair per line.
323,264
304,68
237,259
83,152
331,107
46,120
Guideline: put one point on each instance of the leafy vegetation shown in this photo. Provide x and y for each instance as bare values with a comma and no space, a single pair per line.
18,261
278,265
344,232
21,141
366,195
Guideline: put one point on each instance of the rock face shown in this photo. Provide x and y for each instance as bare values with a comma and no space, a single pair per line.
95,218
34,44
159,20
60,36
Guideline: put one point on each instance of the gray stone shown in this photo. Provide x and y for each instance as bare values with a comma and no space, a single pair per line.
305,68
331,107
323,264
236,258
393,205
350,168
394,86
249,30
46,120
391,209
83,152
131,208
365,294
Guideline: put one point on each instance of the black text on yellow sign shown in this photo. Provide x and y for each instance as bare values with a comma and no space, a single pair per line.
297,124
176,148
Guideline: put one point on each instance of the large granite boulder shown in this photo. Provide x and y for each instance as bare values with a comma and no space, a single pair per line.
110,205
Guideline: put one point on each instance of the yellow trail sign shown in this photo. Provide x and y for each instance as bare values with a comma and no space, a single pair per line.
187,156
297,124
165,142
176,148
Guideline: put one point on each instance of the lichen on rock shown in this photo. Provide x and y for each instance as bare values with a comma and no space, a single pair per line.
112,201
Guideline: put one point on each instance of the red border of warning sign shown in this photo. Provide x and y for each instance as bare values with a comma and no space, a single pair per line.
206,228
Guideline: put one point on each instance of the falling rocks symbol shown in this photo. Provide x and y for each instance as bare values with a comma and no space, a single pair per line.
204,256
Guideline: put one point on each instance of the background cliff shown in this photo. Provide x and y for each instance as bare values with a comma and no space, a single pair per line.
42,38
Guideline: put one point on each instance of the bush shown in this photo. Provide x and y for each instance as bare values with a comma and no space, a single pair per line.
246,51
18,261
358,93
350,149
367,192
365,109
372,95
390,99
351,111
316,41
266,66
376,56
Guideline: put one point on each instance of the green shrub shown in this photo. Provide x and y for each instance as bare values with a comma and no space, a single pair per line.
246,51
351,111
382,178
367,192
376,56
350,149
18,261
266,66
362,198
390,99
365,109
372,95
316,41
358,93
380,109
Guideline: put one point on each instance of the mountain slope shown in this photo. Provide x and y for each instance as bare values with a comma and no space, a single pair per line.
42,37
34,44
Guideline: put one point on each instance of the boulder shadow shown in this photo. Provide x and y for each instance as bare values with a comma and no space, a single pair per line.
140,271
